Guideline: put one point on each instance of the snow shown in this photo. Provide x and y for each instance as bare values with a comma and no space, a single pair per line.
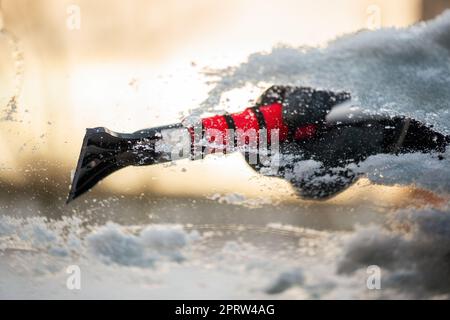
413,252
423,170
285,281
156,242
241,200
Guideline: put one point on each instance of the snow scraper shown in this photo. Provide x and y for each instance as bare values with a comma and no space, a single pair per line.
286,126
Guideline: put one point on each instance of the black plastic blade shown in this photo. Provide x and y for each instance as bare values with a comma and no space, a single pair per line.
98,159
104,152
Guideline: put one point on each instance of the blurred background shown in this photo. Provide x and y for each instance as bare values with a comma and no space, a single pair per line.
68,65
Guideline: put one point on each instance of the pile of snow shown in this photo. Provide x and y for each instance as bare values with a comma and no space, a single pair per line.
240,200
413,252
58,238
285,281
423,170
113,244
